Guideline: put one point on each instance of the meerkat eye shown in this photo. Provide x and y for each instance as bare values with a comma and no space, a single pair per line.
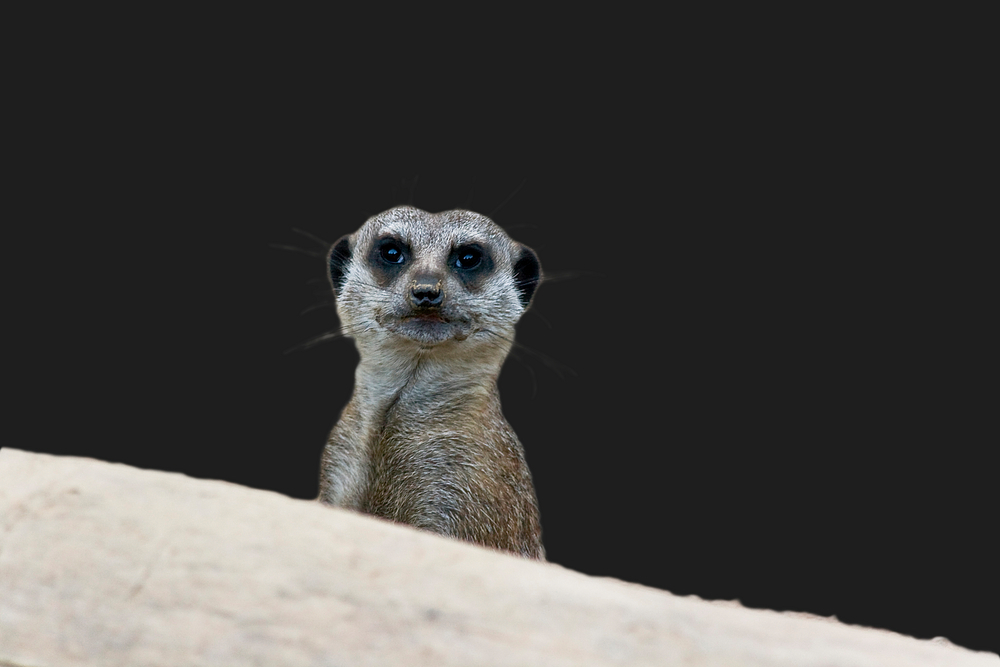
391,252
468,258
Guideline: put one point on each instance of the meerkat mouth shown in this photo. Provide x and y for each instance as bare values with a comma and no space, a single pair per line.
426,317
429,329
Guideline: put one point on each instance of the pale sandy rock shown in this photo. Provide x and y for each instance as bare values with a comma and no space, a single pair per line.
104,564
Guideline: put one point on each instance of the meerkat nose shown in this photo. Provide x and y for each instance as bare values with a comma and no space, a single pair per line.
426,292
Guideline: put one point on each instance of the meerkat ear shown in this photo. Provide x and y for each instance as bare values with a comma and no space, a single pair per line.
340,255
527,273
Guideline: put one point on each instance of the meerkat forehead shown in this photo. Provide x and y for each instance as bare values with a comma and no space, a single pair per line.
421,229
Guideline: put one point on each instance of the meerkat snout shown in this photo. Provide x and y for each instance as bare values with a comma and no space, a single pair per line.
426,292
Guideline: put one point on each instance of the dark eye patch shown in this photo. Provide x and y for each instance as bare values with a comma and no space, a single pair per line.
467,257
471,263
391,252
387,258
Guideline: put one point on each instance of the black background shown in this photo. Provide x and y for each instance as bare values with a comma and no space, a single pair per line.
750,374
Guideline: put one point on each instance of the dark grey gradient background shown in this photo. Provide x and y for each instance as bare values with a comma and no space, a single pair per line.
751,375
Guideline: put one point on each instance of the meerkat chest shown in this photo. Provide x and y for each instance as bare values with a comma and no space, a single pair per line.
426,441
416,476
433,455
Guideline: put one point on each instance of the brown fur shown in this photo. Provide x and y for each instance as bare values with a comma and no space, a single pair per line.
423,440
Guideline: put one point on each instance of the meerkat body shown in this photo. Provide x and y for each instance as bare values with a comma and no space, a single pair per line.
431,301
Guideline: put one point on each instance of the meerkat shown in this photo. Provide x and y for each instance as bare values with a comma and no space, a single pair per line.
431,301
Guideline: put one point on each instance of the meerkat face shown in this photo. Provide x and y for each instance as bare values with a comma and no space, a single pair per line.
430,279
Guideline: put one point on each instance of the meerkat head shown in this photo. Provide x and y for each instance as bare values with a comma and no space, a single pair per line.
422,281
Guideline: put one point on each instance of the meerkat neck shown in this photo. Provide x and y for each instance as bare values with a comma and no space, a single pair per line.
421,396
424,382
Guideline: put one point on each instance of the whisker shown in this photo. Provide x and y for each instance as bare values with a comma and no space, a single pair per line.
330,303
531,372
534,311
325,337
509,197
554,365
316,340
313,237
311,253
